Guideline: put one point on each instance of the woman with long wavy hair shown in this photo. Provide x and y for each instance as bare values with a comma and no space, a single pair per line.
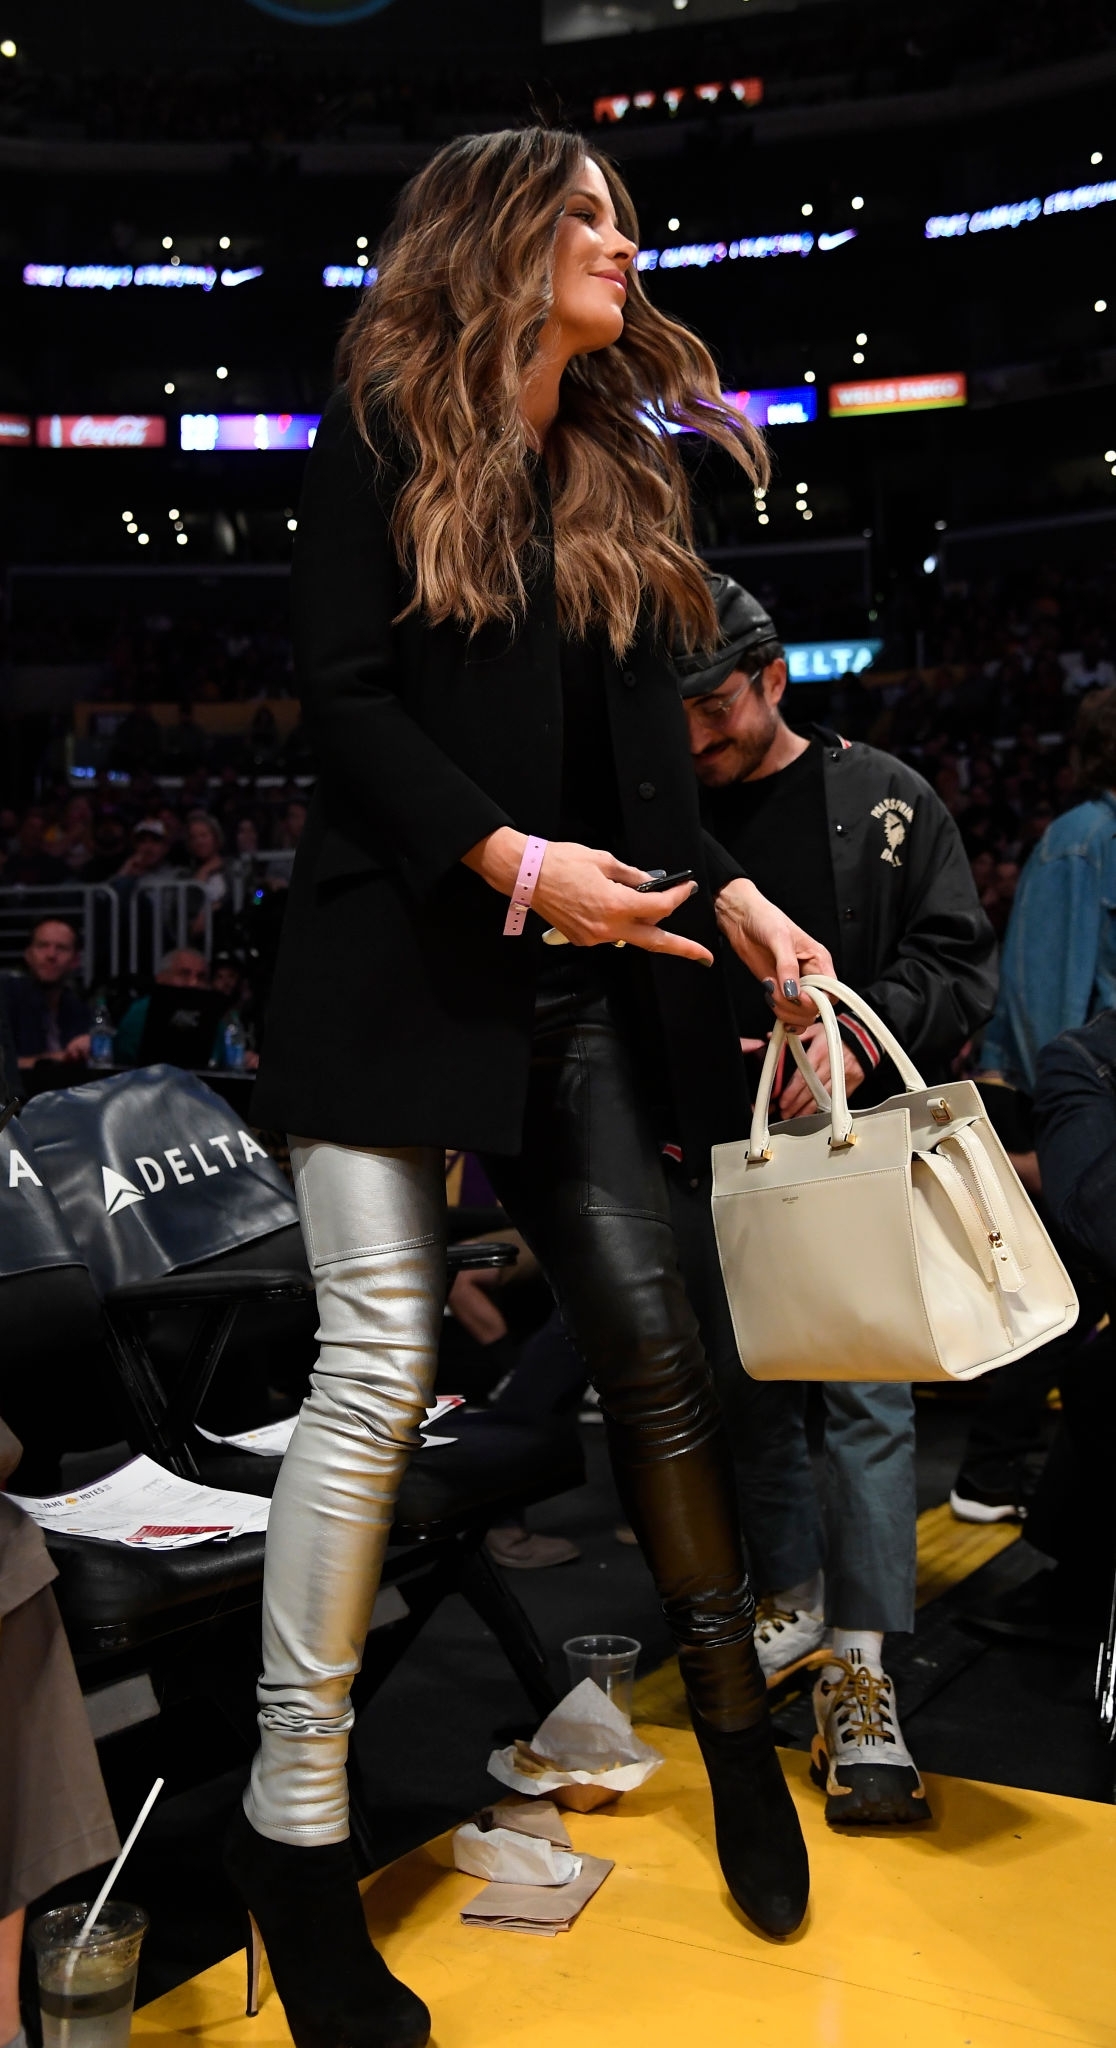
493,547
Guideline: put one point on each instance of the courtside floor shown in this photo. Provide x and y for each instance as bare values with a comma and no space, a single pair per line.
993,1928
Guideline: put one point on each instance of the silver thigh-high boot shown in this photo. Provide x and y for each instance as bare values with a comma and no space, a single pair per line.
374,1227
373,1224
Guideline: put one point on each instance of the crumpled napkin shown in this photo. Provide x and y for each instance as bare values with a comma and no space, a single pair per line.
506,1857
584,1754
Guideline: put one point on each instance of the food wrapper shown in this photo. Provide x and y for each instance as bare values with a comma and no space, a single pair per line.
505,1857
584,1755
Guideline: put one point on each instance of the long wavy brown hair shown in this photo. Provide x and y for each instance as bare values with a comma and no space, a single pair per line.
441,342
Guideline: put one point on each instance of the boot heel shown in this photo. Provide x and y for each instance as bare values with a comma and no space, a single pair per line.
253,1957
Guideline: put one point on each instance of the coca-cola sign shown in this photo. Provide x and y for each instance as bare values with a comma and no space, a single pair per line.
15,430
100,430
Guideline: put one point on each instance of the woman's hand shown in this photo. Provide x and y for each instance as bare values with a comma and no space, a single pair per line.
777,951
588,895
796,1099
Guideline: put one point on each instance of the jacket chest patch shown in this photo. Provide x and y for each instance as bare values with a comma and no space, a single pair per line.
895,816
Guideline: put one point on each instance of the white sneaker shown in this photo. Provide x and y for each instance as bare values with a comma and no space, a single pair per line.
787,1639
858,1753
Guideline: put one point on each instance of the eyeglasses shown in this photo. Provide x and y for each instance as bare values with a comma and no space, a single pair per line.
715,710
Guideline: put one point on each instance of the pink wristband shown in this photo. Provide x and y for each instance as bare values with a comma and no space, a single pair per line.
530,867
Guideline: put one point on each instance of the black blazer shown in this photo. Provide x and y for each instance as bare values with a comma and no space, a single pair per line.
399,1013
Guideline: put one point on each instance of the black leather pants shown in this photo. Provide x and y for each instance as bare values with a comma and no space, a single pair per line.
589,1195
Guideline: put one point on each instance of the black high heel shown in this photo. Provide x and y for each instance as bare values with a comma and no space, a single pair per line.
304,1907
759,1839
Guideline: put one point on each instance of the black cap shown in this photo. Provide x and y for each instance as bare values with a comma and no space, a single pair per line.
744,627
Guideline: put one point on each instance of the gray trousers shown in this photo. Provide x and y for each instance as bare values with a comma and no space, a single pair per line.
860,1527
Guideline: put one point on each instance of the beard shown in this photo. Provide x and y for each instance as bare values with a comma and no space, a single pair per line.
738,755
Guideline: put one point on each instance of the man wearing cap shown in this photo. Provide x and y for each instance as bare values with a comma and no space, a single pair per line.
857,848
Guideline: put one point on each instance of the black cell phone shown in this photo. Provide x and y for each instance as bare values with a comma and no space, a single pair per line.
659,882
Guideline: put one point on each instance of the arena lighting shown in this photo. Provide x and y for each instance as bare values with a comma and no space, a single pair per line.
699,255
222,372
1110,454
809,376
108,277
1097,157
807,210
947,226
100,430
362,241
748,92
202,432
292,526
15,430
225,242
858,355
1100,305
898,394
816,661
939,525
861,340
181,539
8,48
674,224
174,513
856,204
337,275
168,241
131,527
793,405
786,405
143,539
169,390
930,563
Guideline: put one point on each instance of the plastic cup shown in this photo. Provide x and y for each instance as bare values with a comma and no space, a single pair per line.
610,1662
86,1994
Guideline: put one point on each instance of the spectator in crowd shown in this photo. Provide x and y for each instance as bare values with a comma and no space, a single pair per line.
855,846
293,824
70,840
55,1818
1071,1515
181,969
29,865
247,838
48,1019
1059,958
205,848
148,855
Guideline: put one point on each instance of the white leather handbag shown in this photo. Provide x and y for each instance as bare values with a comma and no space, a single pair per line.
894,1243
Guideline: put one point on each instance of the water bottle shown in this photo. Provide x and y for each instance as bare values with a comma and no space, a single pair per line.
234,1042
102,1035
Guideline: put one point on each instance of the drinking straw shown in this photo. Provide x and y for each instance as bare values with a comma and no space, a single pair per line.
90,1920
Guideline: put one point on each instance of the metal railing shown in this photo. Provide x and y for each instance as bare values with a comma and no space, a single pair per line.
161,915
92,908
246,873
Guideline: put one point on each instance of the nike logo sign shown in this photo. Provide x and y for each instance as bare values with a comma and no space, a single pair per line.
241,276
824,241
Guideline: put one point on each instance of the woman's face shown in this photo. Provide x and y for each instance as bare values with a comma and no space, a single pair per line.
200,840
247,837
591,262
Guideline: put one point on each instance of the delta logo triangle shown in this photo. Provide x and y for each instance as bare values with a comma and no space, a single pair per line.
119,1193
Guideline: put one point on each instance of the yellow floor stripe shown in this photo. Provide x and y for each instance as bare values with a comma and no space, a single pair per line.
948,1551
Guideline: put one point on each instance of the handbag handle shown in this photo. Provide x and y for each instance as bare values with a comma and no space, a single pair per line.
841,1130
884,1037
